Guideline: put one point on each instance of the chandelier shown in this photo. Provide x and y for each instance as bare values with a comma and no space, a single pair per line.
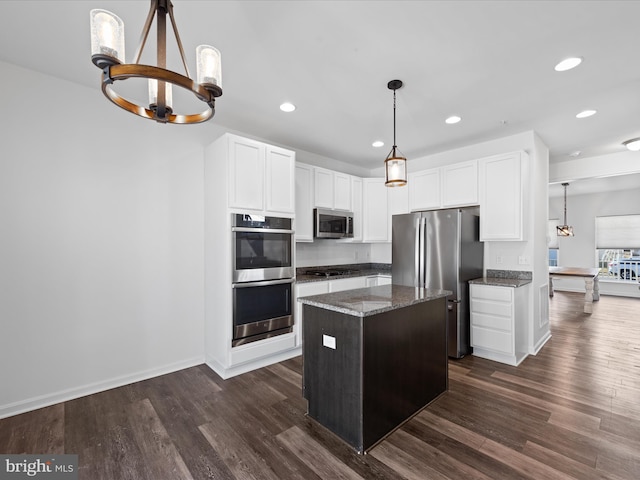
565,230
107,53
395,165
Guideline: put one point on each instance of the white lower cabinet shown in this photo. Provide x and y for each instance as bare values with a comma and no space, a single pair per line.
347,284
331,286
377,280
305,290
499,322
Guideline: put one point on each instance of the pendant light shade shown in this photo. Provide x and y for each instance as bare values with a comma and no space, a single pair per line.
107,53
395,165
565,230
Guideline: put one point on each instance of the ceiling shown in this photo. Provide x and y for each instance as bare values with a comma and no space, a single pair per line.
490,62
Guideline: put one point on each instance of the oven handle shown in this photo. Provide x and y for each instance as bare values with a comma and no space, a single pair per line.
262,284
261,230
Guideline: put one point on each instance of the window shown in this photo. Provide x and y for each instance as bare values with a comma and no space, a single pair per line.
552,242
618,247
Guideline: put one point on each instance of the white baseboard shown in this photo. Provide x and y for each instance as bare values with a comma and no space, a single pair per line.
49,399
228,372
538,346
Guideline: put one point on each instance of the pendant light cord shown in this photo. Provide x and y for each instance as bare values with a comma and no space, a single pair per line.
565,202
394,120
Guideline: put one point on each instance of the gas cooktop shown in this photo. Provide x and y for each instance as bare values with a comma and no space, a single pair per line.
329,272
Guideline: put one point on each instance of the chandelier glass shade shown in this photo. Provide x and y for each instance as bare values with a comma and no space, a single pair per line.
565,230
108,54
395,165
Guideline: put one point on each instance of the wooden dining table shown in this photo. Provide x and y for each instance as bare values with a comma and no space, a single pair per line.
590,275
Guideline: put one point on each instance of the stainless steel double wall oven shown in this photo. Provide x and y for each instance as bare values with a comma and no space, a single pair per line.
263,276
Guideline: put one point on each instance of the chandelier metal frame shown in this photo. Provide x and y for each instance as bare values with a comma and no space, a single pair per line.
113,70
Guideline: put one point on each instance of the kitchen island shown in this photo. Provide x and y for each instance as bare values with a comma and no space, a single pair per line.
373,357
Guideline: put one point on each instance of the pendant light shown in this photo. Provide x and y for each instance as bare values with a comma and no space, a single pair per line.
395,165
565,230
107,53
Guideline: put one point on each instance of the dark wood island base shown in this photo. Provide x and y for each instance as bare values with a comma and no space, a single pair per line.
373,358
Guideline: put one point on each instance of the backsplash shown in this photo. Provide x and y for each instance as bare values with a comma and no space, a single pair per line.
331,252
517,274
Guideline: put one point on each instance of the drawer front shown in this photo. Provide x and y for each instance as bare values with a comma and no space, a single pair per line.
491,308
491,321
492,340
488,292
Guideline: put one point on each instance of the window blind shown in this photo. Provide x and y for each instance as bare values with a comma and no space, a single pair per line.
618,231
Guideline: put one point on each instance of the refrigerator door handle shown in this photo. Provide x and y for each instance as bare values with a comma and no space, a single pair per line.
422,253
416,258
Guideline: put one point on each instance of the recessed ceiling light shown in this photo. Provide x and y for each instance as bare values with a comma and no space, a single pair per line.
452,119
585,113
378,144
575,154
568,64
287,107
633,144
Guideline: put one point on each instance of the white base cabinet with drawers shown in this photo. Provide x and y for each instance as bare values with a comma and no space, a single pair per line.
332,286
499,322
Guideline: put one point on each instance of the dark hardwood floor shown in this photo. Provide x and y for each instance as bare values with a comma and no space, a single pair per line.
572,411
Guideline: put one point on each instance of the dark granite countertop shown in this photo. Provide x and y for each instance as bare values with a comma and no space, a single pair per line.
500,282
364,302
504,278
351,270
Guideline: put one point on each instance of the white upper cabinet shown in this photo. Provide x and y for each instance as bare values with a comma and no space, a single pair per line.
304,203
332,189
246,173
424,190
459,184
323,181
453,185
501,196
356,205
342,191
376,211
280,180
261,177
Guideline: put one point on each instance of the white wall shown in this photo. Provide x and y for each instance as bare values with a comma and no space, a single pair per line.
101,244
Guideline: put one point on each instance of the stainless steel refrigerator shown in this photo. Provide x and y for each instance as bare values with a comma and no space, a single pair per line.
441,249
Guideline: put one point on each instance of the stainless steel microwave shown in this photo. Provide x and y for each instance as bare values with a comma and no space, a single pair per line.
332,223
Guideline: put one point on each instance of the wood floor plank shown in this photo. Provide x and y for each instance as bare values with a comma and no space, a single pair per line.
407,466
571,411
429,459
160,454
565,464
315,455
236,453
38,431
